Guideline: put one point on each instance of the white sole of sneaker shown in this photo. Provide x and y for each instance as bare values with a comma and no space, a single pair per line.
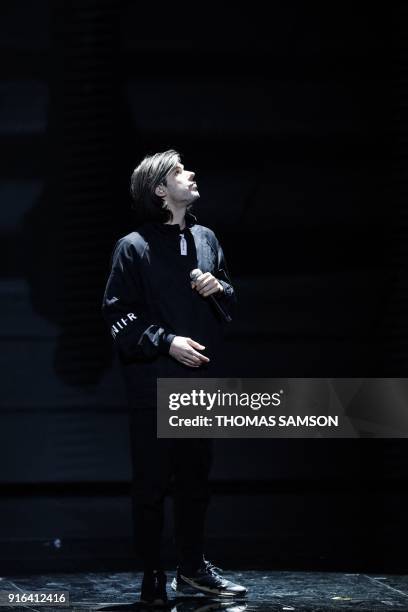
212,591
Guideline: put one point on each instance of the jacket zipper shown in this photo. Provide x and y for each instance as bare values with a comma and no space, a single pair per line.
183,245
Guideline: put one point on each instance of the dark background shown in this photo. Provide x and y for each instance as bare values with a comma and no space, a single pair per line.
295,122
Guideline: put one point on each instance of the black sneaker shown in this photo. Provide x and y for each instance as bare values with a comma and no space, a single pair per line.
206,580
154,588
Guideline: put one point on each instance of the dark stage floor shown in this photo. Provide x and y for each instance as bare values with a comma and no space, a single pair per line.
311,591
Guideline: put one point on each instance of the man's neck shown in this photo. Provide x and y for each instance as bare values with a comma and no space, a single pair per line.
178,217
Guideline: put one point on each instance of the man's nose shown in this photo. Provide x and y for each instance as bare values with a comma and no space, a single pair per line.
192,175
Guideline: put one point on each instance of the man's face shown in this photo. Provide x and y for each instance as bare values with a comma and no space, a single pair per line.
181,189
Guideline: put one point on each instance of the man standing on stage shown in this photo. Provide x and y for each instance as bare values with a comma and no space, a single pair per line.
163,325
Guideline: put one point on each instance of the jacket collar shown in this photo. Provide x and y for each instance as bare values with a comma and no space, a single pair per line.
171,229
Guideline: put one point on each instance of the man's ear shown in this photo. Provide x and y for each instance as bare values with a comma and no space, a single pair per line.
160,191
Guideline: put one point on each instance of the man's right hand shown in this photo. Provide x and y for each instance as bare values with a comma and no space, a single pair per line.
183,349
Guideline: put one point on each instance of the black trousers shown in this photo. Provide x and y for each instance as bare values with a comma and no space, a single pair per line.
160,466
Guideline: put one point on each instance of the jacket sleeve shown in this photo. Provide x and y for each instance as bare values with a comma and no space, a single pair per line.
122,308
228,296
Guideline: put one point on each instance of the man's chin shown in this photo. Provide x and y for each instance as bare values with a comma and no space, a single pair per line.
194,196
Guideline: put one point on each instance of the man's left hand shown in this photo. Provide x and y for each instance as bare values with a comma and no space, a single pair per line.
206,284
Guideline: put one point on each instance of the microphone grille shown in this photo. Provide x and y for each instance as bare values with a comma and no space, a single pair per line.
194,274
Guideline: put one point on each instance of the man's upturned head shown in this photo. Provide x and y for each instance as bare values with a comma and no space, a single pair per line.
160,184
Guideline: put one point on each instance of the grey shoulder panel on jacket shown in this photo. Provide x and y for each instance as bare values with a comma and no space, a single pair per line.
135,240
205,232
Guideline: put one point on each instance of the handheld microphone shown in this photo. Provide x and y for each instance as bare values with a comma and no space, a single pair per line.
194,274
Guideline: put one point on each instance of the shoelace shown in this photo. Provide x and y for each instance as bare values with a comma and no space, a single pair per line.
211,568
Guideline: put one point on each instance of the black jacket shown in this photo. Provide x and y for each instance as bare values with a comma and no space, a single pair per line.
148,299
